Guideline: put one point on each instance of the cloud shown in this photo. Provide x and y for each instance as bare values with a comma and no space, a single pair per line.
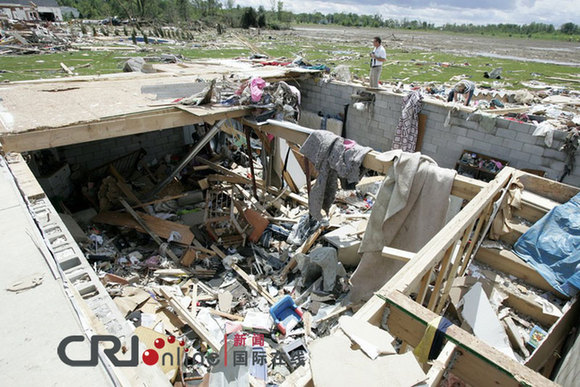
443,11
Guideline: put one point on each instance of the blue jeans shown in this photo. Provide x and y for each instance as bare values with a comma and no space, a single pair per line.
452,95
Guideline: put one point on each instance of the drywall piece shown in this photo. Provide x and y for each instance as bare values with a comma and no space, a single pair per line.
225,301
478,313
334,352
372,340
293,167
347,243
132,297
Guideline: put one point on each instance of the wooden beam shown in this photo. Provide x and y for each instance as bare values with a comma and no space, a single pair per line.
186,316
400,255
229,316
477,361
435,373
145,227
509,263
241,179
253,284
550,189
143,122
160,227
409,277
463,187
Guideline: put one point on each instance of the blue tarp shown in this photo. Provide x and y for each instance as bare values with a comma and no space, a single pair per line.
552,247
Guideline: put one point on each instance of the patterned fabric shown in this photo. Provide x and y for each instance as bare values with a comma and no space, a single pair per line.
407,130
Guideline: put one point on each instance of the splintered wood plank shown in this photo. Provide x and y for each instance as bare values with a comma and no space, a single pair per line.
161,227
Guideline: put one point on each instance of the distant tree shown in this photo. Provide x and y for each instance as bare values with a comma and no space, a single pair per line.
249,18
569,28
134,36
262,20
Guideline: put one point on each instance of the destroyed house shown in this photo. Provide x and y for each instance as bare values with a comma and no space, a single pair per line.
136,206
45,10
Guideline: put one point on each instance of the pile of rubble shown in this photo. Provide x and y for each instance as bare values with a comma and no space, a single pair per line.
222,253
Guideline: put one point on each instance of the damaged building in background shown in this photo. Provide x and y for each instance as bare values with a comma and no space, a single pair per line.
234,225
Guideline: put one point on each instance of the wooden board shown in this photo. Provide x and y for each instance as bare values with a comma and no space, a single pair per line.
478,361
509,263
547,188
463,187
24,177
556,336
408,278
99,129
161,227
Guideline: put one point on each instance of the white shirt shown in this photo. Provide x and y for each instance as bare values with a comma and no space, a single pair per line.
379,53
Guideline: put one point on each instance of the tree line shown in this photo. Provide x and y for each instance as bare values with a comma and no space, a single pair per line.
230,14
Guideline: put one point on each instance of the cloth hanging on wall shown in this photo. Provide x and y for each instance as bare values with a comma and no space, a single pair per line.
408,127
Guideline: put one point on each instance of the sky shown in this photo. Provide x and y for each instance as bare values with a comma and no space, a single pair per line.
440,12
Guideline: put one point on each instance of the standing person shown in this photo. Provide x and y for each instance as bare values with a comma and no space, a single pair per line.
378,56
465,87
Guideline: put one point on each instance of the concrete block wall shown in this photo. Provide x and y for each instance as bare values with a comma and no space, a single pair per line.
508,140
93,154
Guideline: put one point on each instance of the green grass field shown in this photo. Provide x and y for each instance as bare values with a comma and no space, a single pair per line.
403,65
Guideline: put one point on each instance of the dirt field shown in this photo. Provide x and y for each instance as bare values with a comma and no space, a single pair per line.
542,51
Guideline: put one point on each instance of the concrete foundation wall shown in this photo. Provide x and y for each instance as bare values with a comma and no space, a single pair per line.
93,154
508,140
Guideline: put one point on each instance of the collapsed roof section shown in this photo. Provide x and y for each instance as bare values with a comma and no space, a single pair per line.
45,114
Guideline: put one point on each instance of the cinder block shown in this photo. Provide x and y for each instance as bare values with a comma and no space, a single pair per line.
432,148
476,135
481,147
458,130
521,127
494,140
536,161
468,142
506,133
502,123
533,149
571,180
512,144
560,135
554,154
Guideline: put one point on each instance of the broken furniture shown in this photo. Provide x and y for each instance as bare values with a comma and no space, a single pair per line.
479,166
286,314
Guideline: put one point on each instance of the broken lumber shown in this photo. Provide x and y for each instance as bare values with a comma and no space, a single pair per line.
197,326
162,228
198,147
253,284
297,198
145,227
